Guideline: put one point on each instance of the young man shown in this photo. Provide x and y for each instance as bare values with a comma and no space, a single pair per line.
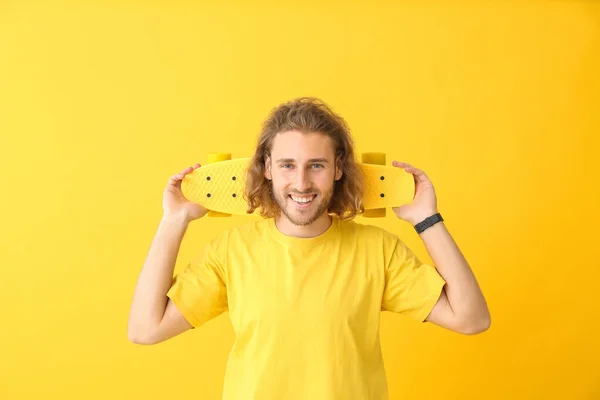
306,284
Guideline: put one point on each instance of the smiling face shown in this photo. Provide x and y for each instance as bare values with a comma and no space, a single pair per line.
303,173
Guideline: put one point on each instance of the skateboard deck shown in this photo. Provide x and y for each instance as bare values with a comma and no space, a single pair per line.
219,185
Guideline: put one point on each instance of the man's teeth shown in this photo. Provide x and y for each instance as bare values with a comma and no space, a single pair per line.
302,199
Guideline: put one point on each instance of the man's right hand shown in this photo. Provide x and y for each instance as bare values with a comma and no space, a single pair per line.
174,202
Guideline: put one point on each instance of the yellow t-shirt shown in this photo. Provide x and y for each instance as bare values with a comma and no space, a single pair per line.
306,312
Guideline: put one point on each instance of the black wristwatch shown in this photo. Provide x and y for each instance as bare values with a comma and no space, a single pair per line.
427,222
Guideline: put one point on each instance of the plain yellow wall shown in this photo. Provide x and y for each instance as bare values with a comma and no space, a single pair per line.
100,102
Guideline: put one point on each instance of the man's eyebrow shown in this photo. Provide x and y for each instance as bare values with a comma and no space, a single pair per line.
323,160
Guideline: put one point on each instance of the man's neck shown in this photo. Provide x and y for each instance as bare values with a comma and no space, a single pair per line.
318,227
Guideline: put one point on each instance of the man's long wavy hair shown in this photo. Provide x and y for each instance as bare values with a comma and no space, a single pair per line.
307,115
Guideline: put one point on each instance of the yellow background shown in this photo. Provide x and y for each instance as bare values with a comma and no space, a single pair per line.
100,102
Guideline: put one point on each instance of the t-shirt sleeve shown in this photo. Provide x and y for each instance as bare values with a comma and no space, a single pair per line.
411,287
200,291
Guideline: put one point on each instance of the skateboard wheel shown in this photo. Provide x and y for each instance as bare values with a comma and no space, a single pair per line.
374,213
217,214
214,158
373,158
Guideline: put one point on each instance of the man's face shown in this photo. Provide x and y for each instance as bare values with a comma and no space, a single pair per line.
302,170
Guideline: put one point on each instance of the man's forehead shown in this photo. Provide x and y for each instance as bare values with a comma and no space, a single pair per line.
299,146
310,160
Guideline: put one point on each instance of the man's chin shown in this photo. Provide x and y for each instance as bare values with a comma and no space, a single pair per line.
299,216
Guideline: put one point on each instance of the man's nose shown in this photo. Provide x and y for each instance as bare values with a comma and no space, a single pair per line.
302,180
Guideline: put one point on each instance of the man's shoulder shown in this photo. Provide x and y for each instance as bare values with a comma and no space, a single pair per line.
370,233
367,230
246,231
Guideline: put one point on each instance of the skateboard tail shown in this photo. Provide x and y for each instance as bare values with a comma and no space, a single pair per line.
219,187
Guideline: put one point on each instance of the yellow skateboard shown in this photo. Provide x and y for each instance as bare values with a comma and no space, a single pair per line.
219,185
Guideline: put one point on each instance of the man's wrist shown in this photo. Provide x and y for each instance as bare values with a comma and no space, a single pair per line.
422,217
428,222
178,219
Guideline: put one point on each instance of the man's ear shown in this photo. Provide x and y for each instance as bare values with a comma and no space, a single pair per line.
338,171
268,167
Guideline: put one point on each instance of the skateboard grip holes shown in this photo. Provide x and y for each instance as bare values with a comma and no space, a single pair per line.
382,195
233,178
234,195
382,178
208,195
208,178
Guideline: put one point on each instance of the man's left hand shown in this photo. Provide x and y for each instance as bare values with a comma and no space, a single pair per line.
424,203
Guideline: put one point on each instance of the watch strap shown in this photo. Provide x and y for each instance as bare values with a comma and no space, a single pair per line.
428,222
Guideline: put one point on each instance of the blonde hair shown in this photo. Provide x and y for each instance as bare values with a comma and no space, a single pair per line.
306,114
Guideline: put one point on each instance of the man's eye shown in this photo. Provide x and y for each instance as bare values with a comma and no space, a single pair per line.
290,165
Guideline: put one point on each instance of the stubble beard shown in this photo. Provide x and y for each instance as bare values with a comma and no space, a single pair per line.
304,217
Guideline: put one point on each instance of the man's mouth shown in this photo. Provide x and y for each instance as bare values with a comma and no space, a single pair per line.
303,200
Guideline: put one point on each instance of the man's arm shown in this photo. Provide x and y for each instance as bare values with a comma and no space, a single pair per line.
153,317
461,306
